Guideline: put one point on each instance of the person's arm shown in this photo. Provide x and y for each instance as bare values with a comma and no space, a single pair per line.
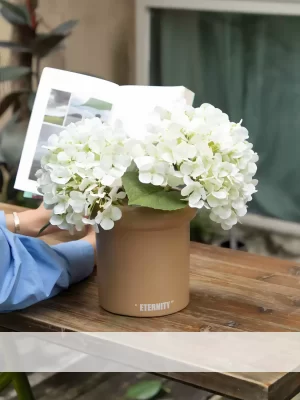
31,271
31,221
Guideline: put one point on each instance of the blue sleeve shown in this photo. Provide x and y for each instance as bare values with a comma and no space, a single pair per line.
2,219
31,271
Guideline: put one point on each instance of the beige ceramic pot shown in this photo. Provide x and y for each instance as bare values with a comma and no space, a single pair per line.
143,262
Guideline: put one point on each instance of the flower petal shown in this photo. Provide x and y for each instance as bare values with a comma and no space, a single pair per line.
157,179
56,220
107,224
116,213
221,194
145,177
144,163
60,208
186,191
195,197
108,180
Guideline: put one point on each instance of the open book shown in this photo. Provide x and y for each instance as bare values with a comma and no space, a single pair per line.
65,97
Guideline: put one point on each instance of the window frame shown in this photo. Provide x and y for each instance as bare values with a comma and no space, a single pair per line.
143,23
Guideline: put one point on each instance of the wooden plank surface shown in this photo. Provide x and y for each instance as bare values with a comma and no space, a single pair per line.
246,385
230,291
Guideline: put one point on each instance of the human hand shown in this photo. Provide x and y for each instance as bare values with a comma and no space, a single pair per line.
32,221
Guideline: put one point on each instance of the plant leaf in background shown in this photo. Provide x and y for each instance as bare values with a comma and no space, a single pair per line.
24,19
31,99
145,390
13,73
147,195
9,100
25,10
15,14
45,43
65,28
5,380
22,386
15,47
11,17
12,140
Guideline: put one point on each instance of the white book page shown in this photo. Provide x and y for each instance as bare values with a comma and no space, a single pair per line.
135,103
62,97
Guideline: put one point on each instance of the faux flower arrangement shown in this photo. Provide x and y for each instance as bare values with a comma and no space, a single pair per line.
185,157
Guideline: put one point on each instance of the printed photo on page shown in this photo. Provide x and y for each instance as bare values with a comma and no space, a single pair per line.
62,98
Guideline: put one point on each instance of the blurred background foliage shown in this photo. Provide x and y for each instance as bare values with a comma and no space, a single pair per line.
18,83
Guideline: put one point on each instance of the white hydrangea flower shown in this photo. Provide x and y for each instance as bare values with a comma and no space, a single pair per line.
107,218
197,151
195,192
81,174
152,170
204,154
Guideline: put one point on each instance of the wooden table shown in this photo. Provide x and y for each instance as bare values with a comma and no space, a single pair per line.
230,291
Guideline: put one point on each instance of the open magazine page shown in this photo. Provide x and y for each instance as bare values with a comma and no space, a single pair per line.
135,103
62,97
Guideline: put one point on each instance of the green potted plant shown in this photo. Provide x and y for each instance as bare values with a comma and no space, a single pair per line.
28,48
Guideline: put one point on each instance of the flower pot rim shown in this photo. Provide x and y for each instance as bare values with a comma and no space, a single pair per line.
146,219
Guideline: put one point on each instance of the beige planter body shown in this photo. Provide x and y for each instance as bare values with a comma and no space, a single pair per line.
143,262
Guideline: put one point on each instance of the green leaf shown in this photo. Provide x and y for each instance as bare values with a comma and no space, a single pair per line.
25,10
14,13
13,73
13,136
9,100
5,380
144,390
45,43
147,195
64,28
15,47
31,99
11,17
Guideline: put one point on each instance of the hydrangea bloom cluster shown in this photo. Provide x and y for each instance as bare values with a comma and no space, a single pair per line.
195,150
201,151
81,174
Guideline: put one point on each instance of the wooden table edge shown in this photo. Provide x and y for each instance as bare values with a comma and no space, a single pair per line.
285,388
